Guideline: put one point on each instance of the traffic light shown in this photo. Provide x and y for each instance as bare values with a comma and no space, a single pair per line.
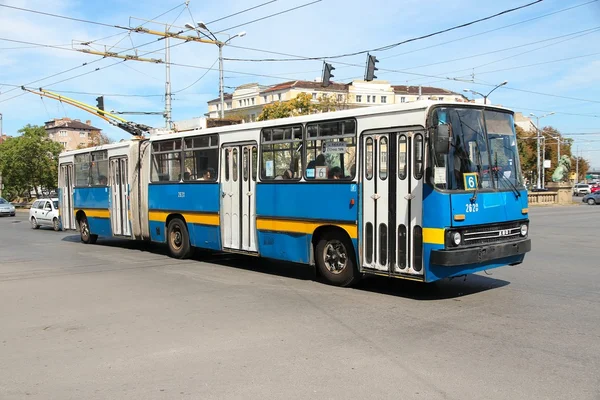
100,105
370,73
327,68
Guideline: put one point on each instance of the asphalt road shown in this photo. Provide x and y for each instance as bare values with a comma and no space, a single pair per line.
121,320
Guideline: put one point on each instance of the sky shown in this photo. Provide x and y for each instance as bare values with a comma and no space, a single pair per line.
547,52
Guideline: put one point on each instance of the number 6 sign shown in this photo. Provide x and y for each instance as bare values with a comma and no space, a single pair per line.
470,180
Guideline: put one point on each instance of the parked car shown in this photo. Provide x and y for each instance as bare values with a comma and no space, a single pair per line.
6,208
592,198
595,188
581,188
44,212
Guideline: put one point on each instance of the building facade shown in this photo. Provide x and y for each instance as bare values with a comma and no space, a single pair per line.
247,101
71,134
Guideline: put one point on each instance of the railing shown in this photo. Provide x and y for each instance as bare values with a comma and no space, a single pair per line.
542,197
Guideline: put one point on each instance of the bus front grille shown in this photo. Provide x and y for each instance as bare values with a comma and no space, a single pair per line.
491,233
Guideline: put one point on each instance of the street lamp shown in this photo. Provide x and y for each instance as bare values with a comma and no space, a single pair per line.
537,128
485,96
220,44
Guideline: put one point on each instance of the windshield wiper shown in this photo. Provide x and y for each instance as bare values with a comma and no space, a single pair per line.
512,185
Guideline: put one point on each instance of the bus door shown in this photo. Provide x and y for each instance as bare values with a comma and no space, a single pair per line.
392,174
238,196
66,203
119,208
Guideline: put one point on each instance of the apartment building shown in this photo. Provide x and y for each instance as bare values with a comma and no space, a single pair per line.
247,100
71,133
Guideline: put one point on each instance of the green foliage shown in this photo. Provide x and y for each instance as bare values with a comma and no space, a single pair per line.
29,161
96,139
275,110
301,105
527,142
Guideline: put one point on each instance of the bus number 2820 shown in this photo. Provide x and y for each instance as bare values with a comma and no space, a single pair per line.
472,208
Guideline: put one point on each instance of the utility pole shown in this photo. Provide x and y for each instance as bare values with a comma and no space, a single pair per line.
221,93
537,128
168,121
544,158
201,26
577,165
1,142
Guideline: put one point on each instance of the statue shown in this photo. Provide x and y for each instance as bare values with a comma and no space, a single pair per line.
561,172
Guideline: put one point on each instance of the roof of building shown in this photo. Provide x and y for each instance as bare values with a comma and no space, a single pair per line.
414,90
69,123
226,96
306,85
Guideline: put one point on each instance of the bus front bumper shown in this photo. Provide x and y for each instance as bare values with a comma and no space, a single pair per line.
476,255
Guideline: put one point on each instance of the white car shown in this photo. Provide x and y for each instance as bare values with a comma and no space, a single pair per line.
6,208
44,212
581,188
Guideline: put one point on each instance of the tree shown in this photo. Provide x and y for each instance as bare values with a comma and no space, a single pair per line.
96,138
302,104
550,137
279,109
29,162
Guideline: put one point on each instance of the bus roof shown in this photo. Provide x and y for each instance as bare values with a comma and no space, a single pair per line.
421,105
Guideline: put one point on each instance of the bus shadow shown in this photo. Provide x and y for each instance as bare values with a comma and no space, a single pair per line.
440,290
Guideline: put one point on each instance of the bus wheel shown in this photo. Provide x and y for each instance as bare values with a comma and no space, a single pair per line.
86,236
178,239
335,260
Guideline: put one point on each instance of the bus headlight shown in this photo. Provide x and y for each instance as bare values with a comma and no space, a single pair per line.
456,238
524,229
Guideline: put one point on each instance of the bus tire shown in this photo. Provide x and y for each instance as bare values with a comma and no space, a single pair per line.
178,239
86,235
335,259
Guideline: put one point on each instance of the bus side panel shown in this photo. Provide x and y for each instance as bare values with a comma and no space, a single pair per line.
198,203
288,214
294,247
94,202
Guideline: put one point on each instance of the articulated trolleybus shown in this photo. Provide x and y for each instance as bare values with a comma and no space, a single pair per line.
422,191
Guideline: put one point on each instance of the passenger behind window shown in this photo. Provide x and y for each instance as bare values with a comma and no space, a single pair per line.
288,174
102,180
335,173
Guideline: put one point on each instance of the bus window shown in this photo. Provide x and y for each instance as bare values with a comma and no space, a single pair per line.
369,158
383,158
245,165
166,161
402,157
331,150
82,170
254,162
418,156
201,158
99,168
281,150
234,169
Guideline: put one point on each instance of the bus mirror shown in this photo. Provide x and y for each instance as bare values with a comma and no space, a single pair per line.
442,139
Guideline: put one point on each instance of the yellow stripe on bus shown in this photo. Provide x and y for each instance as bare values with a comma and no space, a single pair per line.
191,218
96,213
433,235
308,227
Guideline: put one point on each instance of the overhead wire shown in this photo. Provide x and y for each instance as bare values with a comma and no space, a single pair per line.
393,45
274,15
197,80
241,12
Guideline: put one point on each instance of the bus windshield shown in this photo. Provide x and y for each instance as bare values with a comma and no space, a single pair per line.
483,142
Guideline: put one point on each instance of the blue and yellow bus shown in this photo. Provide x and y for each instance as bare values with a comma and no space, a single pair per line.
421,191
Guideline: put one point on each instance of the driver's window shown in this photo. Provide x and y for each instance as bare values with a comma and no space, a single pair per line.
48,207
